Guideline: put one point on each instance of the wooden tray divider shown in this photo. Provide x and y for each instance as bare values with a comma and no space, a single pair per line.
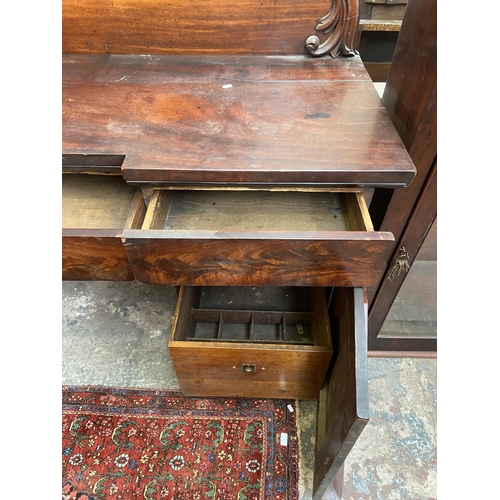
252,318
283,329
219,329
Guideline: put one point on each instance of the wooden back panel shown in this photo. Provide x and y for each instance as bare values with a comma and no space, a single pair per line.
188,26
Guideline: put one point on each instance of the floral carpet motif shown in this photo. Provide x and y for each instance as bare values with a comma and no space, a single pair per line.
153,444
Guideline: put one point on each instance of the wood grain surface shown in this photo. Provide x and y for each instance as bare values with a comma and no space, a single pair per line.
282,258
248,210
185,26
281,371
95,210
237,120
208,370
94,255
343,408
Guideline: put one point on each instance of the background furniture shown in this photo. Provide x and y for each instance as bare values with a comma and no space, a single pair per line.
377,35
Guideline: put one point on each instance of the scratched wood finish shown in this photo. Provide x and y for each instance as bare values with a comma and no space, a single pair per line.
343,403
95,210
184,26
283,120
216,369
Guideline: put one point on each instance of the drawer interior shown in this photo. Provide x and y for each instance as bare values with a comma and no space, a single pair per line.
255,315
95,201
252,326
246,210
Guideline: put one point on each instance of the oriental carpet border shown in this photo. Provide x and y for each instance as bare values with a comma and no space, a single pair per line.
130,443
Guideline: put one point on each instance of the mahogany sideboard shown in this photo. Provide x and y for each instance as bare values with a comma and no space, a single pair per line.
222,149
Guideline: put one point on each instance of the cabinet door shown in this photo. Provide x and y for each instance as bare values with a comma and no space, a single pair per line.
343,403
410,97
407,293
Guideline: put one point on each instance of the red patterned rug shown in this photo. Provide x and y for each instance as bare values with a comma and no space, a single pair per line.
153,444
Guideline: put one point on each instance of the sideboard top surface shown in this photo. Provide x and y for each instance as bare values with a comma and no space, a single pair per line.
232,120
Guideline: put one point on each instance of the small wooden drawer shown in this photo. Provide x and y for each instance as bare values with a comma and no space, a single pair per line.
271,342
256,238
95,210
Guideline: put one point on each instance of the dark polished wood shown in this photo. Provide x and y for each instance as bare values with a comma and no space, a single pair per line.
419,224
413,72
286,120
423,151
256,238
227,258
410,96
343,403
411,99
99,255
218,26
339,26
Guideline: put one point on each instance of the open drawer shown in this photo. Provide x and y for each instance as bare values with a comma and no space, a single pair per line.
95,210
268,342
244,341
256,238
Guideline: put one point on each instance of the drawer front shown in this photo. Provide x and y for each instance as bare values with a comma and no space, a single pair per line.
259,241
282,354
99,257
229,259
95,210
220,370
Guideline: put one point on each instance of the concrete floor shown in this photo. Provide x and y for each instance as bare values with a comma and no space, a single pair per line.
115,333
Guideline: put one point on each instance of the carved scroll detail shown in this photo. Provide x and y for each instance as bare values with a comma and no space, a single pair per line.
340,25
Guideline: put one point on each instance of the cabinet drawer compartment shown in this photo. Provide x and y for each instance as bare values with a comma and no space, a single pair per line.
95,210
257,238
271,342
